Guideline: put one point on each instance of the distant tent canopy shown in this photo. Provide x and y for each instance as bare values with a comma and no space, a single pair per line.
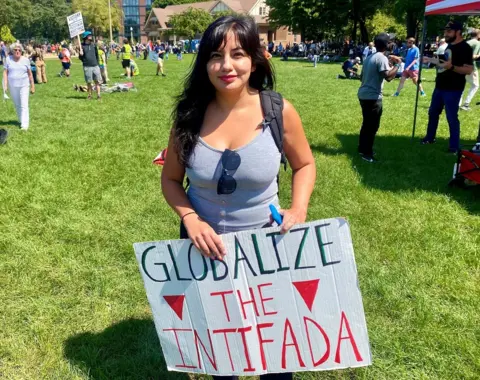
452,7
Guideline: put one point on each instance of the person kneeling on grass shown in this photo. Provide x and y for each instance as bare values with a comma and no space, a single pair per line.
350,69
134,70
89,57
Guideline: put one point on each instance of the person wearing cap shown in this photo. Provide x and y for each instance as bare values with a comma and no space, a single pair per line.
472,79
452,68
411,70
376,69
89,58
350,68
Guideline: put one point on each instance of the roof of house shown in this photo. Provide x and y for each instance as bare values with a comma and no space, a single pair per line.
163,14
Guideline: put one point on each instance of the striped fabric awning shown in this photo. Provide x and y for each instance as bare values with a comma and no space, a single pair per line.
452,7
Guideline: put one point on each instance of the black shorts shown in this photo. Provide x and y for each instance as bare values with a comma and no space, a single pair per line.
66,65
125,63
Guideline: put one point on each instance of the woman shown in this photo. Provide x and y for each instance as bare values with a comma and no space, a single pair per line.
40,64
229,155
18,78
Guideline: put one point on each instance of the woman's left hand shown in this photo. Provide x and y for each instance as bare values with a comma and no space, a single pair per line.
32,90
292,217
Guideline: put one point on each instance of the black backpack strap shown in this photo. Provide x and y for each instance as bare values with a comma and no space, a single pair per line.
272,105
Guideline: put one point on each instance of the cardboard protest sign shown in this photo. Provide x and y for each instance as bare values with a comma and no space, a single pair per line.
275,304
75,24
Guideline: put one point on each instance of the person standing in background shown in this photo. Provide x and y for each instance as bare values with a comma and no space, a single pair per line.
368,51
160,50
126,55
472,79
452,67
89,57
18,79
40,64
412,66
65,58
376,69
102,61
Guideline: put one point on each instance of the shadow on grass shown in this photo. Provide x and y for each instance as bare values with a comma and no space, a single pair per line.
127,350
9,123
405,165
76,97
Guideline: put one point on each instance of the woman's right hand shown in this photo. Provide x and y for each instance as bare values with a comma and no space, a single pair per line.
204,238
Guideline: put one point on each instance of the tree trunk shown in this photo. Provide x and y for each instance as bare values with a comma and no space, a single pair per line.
354,31
412,24
355,16
364,31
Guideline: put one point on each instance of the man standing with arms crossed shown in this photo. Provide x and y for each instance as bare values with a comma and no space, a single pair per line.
452,67
473,77
376,69
411,67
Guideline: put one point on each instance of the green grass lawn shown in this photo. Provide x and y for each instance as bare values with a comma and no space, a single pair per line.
79,188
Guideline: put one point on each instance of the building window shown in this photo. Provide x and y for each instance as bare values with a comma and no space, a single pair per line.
262,11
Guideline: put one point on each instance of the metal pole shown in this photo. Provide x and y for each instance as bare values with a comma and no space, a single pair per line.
110,19
422,44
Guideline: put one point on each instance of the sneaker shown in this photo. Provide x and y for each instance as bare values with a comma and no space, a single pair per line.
424,141
397,94
422,93
368,158
452,151
3,136
164,75
465,107
338,76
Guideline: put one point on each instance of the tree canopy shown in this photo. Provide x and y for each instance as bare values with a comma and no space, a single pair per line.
95,14
190,22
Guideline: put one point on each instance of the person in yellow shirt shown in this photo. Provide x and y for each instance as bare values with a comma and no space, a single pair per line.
102,61
126,55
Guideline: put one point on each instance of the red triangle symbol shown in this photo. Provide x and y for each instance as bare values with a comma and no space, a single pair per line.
176,303
307,290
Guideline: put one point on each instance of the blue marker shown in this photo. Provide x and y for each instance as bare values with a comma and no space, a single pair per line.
276,215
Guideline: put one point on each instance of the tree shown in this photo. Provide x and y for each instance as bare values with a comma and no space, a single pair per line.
6,35
95,14
15,14
385,23
49,20
190,23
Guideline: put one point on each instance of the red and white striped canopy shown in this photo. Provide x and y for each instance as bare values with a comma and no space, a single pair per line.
452,7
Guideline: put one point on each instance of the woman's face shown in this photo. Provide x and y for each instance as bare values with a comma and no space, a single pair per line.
230,67
17,53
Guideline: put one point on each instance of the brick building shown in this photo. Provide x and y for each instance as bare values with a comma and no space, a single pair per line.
135,14
156,25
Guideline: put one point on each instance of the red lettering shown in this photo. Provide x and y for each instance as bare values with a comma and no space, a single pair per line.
243,303
183,365
242,331
288,326
263,300
212,359
324,358
349,337
261,341
224,301
225,332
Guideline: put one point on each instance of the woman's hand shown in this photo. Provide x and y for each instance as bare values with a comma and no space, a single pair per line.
204,238
32,89
292,217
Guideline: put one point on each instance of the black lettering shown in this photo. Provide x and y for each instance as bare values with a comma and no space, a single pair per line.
300,248
144,267
259,257
272,235
205,268
321,244
214,269
238,248
175,267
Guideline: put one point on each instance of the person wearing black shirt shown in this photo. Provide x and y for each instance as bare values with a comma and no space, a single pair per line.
160,50
452,67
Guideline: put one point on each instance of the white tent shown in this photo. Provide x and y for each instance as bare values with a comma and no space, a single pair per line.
443,7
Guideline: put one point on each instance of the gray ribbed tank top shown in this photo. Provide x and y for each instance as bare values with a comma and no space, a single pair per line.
247,207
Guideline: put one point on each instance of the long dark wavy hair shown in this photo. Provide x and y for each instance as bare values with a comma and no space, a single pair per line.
199,92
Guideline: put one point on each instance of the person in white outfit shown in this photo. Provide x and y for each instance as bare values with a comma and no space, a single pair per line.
18,79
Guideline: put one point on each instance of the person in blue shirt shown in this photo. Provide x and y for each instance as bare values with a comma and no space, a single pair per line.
412,61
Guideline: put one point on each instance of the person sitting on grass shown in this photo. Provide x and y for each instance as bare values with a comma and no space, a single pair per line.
351,68
134,68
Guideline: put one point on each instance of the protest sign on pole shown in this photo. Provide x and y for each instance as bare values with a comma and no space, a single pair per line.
277,303
76,26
